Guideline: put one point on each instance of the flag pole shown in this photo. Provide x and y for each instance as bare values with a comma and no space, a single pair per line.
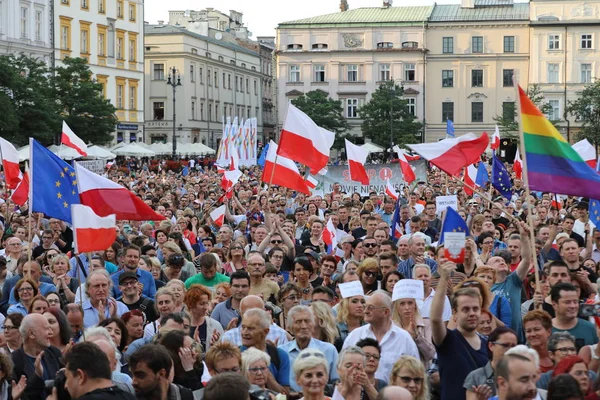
29,249
287,108
527,190
492,204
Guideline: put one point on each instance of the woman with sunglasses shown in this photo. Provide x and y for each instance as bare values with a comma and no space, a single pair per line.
368,272
409,373
288,297
311,371
237,259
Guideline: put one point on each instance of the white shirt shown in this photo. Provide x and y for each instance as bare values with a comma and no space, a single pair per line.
579,227
425,307
275,335
396,343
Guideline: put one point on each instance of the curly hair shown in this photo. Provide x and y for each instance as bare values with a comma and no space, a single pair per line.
193,295
6,366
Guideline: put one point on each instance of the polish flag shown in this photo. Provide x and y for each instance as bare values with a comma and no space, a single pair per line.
90,231
282,171
495,145
405,167
220,170
21,194
303,141
230,178
470,178
311,182
70,139
587,152
106,197
391,191
330,235
453,154
357,158
518,165
398,231
10,162
218,215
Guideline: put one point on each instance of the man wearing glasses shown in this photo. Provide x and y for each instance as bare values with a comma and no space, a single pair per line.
228,311
370,247
14,250
47,244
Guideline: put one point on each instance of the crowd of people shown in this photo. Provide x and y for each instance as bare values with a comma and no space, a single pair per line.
257,307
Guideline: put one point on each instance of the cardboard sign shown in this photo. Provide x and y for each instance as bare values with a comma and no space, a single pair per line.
454,246
351,289
443,202
408,289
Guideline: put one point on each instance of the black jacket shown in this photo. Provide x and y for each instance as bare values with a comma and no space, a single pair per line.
35,385
110,393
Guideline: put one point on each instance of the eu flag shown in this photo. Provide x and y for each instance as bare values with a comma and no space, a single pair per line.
501,178
482,175
453,222
263,156
450,128
53,183
595,212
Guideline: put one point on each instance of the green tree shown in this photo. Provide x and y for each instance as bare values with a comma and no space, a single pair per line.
388,107
586,109
508,123
325,112
81,103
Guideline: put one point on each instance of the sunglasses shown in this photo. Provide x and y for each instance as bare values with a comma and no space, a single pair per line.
276,241
370,244
470,283
370,274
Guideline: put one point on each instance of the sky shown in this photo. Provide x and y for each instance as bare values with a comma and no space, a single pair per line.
262,16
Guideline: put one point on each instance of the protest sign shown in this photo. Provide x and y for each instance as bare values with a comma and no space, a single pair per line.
454,246
96,166
443,202
408,289
350,289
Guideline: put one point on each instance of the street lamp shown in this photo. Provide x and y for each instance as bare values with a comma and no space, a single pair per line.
392,94
174,81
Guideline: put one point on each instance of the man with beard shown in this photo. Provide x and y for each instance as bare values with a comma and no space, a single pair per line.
151,367
515,378
370,247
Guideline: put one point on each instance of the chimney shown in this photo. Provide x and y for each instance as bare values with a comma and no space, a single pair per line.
344,5
161,22
467,4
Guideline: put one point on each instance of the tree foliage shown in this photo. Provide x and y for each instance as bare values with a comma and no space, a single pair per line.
586,109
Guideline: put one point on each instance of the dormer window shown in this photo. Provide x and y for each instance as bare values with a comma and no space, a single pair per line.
410,45
385,45
319,46
294,47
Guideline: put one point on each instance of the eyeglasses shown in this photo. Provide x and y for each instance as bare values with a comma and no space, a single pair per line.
369,244
256,370
567,350
370,273
129,283
237,248
407,379
25,289
469,283
371,308
505,345
276,241
373,356
9,328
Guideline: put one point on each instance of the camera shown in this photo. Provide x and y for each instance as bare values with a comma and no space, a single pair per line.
589,310
59,383
257,393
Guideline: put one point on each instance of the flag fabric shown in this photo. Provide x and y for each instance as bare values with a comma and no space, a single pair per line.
21,194
450,128
587,152
230,178
495,144
90,231
185,171
218,215
391,191
303,141
452,155
470,179
330,235
282,171
357,158
311,181
10,163
106,197
396,229
70,139
482,175
453,222
598,165
501,178
53,183
409,157
594,210
407,170
518,165
263,155
552,164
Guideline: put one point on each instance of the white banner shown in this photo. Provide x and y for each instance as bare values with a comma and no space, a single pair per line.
96,166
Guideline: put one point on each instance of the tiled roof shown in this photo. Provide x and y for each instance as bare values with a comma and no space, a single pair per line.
483,12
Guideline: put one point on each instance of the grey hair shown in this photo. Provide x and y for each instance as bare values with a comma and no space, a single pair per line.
264,318
252,355
102,272
385,297
111,343
351,350
102,333
414,268
421,235
298,310
525,351
26,325
557,337
307,359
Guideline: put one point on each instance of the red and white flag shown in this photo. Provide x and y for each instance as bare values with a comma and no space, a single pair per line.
10,163
90,231
587,152
311,182
303,141
330,235
357,158
495,144
21,194
398,231
407,170
230,178
391,191
218,215
453,154
411,158
518,165
282,171
470,178
70,139
106,197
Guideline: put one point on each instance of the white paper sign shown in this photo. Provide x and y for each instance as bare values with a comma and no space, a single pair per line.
351,289
443,202
454,246
408,289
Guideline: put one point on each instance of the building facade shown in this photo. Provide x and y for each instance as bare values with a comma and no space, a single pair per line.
219,79
269,99
349,54
25,27
110,35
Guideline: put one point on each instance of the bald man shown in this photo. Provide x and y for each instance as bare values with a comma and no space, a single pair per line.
120,379
276,335
394,393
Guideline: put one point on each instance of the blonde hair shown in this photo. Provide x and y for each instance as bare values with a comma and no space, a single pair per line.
396,313
324,318
57,257
416,368
343,312
172,246
367,263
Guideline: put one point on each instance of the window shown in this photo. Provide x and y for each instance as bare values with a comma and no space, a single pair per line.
448,45
120,48
247,85
216,79
210,112
85,39
294,47
209,77
84,5
447,111
65,37
193,110
132,47
319,73
229,81
384,72
586,73
352,73
24,22
409,72
38,24
237,86
477,111
477,44
553,42
120,9
294,73
508,111
509,44
411,104
351,108
477,78
243,65
159,72
120,96
410,45
385,45
159,110
132,11
554,110
101,44
132,98
101,6
507,77
224,81
586,41
447,78
319,46
255,87
202,110
192,73
553,73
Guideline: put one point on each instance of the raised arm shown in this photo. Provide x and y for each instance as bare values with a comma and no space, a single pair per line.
438,327
526,255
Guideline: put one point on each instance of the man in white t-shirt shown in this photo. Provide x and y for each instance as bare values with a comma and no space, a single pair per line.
422,272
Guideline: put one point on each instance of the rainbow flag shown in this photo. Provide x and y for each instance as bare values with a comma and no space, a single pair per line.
552,164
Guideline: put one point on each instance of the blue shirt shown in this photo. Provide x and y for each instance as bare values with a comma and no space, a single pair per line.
43,287
90,314
110,267
405,267
510,289
145,279
281,374
328,349
18,308
9,284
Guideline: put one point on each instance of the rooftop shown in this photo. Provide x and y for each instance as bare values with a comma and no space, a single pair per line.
484,10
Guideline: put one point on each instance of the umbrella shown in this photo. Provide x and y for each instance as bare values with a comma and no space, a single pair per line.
99,152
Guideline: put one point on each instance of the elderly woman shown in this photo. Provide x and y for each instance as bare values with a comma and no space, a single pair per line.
222,293
409,373
311,371
350,315
577,368
255,366
25,291
406,315
66,286
368,271
203,329
289,297
351,370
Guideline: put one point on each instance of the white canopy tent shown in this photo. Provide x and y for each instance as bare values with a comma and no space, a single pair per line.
99,152
195,148
373,148
64,152
24,153
133,150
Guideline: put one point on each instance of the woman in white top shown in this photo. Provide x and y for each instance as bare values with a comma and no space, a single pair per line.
165,304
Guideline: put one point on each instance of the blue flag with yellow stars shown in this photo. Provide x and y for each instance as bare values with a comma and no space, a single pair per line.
453,222
595,212
53,183
501,178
